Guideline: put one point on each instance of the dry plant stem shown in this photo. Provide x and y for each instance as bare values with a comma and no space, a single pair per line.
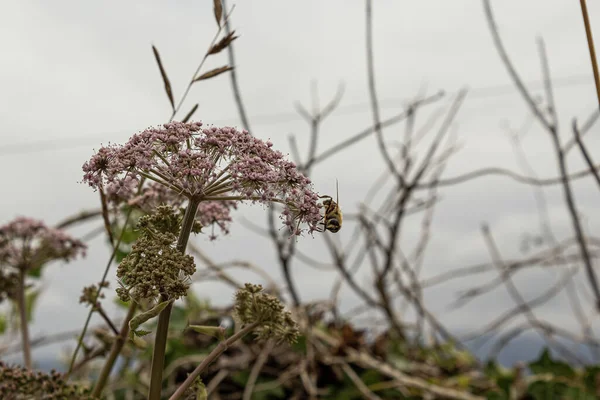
81,216
527,180
586,156
368,131
403,380
21,303
105,217
221,347
552,129
233,75
576,222
104,276
373,95
256,368
108,321
590,40
516,296
162,329
364,390
544,214
45,340
114,352
189,86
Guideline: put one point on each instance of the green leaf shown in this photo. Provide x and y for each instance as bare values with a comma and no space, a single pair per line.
276,393
241,378
370,377
300,345
591,376
214,331
179,317
120,254
142,333
202,394
497,396
35,273
120,303
546,365
578,394
542,390
30,300
145,316
3,324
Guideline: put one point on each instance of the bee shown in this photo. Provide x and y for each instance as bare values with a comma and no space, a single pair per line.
333,214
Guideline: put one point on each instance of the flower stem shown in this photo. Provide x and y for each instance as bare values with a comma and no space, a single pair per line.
221,347
104,276
162,329
114,352
21,303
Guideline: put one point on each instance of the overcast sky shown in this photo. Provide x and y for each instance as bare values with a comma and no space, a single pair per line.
78,74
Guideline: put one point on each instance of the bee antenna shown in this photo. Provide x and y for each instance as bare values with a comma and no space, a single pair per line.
337,194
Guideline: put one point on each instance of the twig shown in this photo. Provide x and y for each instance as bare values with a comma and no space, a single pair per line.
255,371
233,75
368,131
195,75
557,147
516,295
100,286
586,156
81,216
221,347
504,172
403,379
115,350
373,96
359,383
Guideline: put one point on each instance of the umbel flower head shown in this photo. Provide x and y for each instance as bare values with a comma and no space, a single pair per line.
27,244
215,167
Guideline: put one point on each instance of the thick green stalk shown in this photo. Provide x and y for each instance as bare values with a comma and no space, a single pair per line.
162,329
114,352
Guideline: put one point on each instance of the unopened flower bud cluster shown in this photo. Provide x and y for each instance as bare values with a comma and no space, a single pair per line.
155,267
254,305
20,383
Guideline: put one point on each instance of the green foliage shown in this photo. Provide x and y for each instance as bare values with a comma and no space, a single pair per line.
145,316
550,379
546,365
195,332
31,298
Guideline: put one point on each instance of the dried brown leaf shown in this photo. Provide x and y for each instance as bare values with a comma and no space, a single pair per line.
163,73
223,43
213,72
189,115
218,11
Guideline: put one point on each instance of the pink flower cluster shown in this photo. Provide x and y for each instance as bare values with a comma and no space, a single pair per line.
28,243
216,166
